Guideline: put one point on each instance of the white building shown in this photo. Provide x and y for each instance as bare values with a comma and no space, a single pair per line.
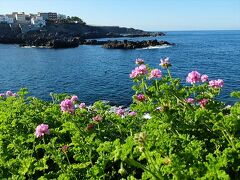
11,16
6,19
20,17
38,21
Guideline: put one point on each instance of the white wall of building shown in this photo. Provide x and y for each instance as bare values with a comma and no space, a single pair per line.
38,21
20,17
5,19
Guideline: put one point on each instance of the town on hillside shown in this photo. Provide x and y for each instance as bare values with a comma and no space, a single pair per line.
30,21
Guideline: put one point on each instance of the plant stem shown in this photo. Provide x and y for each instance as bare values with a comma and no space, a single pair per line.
67,158
157,88
44,140
228,137
169,73
150,158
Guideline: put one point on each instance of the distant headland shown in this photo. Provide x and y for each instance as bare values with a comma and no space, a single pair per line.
53,30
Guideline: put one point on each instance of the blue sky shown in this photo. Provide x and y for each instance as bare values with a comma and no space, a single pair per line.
143,14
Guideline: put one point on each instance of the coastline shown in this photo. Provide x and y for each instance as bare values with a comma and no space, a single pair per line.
62,35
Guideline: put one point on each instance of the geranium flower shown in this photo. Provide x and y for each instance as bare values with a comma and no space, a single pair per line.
41,130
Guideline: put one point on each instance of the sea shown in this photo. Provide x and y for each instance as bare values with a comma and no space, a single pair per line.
94,73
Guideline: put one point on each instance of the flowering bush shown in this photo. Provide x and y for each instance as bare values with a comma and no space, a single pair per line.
170,131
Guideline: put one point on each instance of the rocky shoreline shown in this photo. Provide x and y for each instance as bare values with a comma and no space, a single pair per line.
110,44
134,44
72,35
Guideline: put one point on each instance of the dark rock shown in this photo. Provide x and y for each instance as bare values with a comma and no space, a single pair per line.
134,44
60,43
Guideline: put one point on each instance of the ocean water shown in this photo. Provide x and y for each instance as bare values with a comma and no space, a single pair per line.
94,73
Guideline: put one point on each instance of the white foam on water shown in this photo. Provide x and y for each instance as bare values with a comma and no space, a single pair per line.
27,46
156,47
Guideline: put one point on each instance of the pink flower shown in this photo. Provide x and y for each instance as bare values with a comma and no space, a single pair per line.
74,98
97,118
203,102
138,71
189,100
41,130
142,69
120,112
204,78
82,105
140,97
134,74
193,77
216,83
9,93
139,61
2,95
67,106
155,73
165,62
132,113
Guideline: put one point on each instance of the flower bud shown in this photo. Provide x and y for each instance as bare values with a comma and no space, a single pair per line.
90,126
122,171
167,161
140,138
65,149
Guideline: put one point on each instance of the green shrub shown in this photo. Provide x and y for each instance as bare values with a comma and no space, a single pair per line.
169,137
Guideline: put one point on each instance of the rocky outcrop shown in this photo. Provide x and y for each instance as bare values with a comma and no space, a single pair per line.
49,40
55,43
134,45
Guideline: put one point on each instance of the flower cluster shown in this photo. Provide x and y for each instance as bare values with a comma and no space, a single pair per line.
74,98
189,100
140,97
142,69
7,94
41,130
139,61
164,62
123,112
193,77
216,83
155,73
203,102
204,78
132,113
138,71
97,118
82,105
67,106
120,111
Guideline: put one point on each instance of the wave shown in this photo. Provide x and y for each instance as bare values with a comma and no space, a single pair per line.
156,47
27,46
38,47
